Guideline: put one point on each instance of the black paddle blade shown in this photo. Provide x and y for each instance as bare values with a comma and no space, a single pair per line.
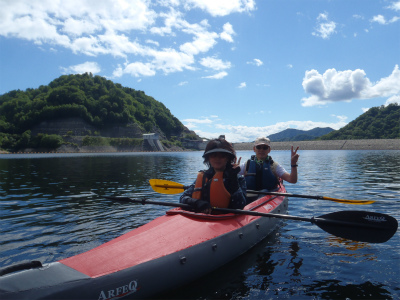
363,226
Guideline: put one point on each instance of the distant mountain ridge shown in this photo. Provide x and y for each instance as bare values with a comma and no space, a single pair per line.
291,134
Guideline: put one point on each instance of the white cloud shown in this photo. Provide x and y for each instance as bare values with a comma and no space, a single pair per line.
394,19
54,21
379,19
203,40
385,87
115,27
87,67
118,72
198,121
393,99
365,109
135,69
257,62
153,42
193,123
240,133
325,28
263,84
222,7
214,63
395,6
182,83
382,20
166,60
76,27
227,33
335,86
355,16
219,75
172,19
322,17
170,60
242,85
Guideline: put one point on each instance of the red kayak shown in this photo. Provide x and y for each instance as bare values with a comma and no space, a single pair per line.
168,252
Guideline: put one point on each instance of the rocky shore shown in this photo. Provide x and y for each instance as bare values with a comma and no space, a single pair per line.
392,144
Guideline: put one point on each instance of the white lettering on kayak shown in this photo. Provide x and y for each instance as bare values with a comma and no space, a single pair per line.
268,207
375,218
119,292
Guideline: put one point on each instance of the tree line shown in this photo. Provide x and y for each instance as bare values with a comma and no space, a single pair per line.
104,104
377,123
100,102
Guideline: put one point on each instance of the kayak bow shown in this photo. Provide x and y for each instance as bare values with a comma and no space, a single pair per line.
168,252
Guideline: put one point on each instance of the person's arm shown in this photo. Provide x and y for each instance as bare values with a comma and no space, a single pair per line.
198,205
186,197
236,186
292,176
238,198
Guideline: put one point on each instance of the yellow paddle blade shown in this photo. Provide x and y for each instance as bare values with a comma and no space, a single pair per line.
166,187
345,201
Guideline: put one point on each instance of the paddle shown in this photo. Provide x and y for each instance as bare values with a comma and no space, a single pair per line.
166,187
344,201
170,187
360,226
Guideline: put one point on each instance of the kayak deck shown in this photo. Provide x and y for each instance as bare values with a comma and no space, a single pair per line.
164,254
173,232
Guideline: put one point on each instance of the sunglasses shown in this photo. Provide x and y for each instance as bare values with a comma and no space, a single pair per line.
264,147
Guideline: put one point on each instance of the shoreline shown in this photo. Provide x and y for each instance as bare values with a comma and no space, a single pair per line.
384,144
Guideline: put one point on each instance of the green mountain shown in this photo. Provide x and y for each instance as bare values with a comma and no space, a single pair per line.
99,102
299,135
377,123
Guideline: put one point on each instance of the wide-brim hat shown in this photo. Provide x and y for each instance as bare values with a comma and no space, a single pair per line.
218,150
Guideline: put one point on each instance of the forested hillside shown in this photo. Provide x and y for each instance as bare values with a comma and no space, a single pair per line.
104,104
98,101
377,123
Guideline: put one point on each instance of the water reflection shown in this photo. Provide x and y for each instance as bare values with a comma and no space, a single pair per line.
355,252
295,261
336,289
53,207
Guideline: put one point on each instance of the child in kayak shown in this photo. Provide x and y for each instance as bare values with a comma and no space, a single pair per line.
219,186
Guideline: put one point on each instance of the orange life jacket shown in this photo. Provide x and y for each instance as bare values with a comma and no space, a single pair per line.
219,196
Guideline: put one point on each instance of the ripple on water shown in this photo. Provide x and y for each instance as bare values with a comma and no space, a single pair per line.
53,207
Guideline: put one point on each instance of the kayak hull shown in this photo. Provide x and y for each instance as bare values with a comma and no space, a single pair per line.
164,265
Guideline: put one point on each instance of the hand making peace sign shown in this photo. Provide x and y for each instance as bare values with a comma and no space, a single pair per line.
294,156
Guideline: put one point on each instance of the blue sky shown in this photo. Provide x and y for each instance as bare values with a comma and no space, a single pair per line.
243,68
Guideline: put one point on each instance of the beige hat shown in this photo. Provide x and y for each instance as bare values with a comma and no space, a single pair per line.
262,140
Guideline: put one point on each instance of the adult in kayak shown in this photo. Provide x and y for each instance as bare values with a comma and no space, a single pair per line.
219,185
263,173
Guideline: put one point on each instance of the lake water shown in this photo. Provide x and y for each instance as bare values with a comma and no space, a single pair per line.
52,207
